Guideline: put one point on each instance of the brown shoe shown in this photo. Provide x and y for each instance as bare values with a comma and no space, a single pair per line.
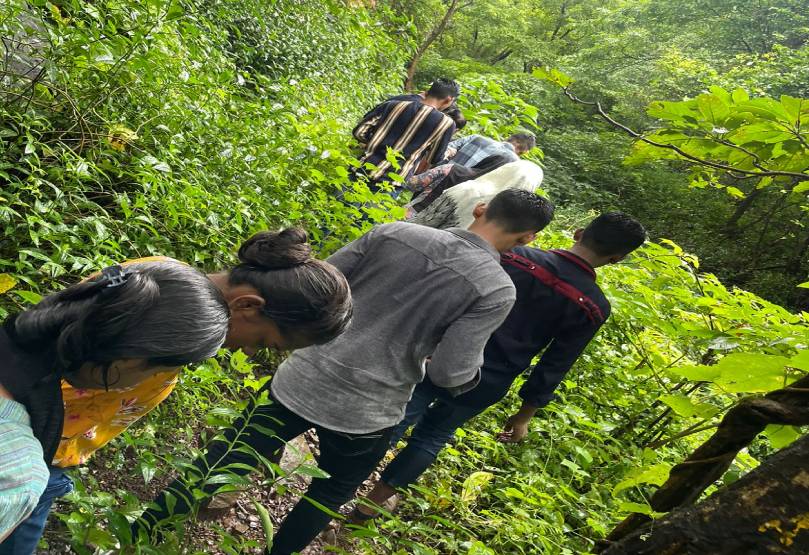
359,518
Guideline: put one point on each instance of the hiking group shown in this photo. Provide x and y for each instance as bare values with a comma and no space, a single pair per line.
422,323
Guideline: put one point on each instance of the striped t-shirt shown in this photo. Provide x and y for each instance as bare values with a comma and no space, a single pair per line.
411,128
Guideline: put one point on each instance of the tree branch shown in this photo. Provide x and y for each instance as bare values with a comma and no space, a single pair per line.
742,423
701,161
435,32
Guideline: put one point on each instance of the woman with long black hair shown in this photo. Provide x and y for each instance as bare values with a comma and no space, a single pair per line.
87,362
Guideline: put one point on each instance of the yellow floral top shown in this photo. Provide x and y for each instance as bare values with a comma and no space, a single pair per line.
93,417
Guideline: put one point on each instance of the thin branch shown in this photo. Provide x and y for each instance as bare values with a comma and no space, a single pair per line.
717,165
695,429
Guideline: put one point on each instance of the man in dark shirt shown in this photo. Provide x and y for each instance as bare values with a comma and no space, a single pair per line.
453,111
543,317
412,128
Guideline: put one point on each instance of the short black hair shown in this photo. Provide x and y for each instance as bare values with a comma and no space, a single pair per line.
444,88
525,140
518,210
613,234
457,116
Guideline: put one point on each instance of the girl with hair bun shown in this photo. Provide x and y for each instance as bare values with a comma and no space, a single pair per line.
281,297
89,361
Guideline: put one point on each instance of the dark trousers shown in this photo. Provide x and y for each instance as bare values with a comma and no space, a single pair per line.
348,459
25,537
435,419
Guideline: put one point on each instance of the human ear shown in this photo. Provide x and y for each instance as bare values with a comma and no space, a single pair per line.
479,210
577,234
247,302
526,238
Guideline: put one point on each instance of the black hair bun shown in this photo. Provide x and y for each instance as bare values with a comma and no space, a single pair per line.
276,250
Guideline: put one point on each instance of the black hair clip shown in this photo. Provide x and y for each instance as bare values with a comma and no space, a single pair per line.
113,276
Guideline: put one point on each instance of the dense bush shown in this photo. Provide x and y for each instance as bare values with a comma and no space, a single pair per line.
140,131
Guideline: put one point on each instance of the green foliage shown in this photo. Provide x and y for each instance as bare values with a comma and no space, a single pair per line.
750,136
493,112
310,41
155,141
627,56
180,127
783,70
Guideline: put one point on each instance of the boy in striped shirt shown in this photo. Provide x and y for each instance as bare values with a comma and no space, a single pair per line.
414,129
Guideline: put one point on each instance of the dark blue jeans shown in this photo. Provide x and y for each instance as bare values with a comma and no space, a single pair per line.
347,458
435,418
24,539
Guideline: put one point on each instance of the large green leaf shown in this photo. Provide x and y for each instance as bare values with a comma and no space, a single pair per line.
686,407
676,112
699,373
795,107
712,108
740,95
655,475
801,360
29,296
740,372
766,108
780,436
762,132
751,372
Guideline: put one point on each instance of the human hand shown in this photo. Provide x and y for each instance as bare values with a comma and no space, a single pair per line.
514,431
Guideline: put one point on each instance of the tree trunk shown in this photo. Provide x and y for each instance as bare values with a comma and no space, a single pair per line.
502,56
741,424
766,511
431,37
561,21
732,225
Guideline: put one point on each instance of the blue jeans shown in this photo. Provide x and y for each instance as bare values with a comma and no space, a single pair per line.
24,539
435,418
